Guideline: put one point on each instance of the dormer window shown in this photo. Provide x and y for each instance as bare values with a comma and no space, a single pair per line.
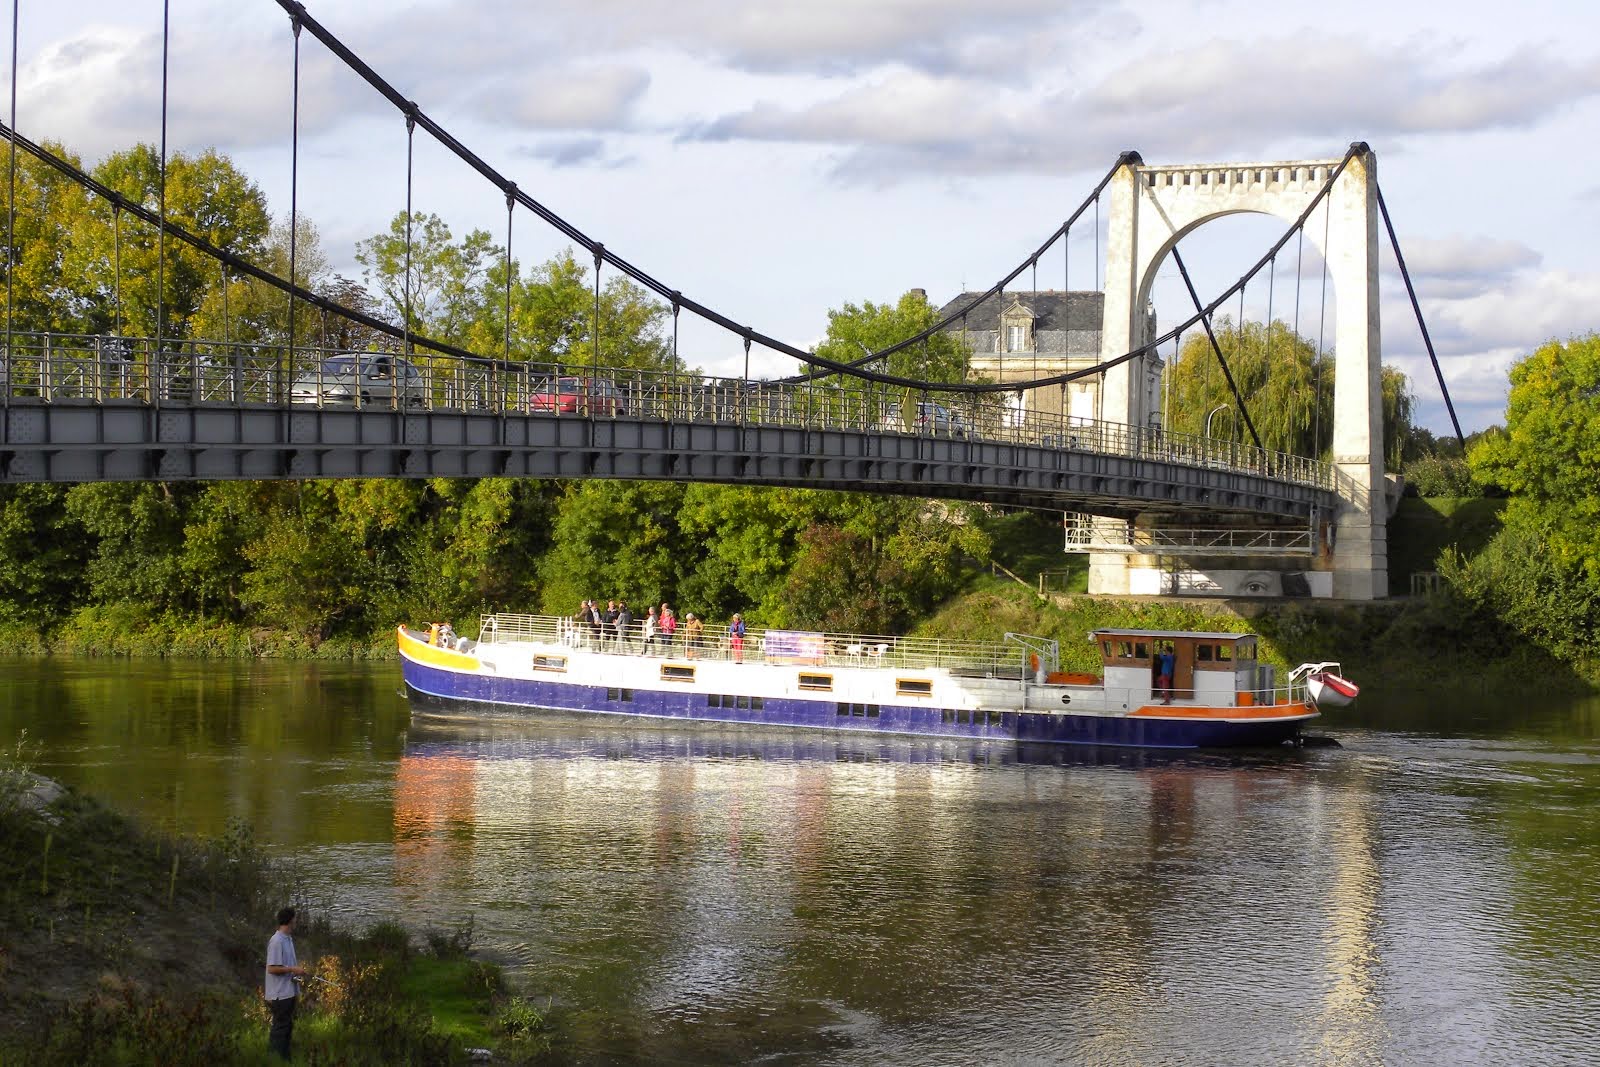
1016,337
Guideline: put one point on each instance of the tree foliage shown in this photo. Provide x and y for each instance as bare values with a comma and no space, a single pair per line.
1287,386
1541,573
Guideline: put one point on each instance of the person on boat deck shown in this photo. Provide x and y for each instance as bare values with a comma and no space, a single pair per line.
447,636
736,638
608,623
651,628
692,629
624,626
669,626
591,622
1164,670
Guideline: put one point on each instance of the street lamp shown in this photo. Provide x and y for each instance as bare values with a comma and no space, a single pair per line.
1212,414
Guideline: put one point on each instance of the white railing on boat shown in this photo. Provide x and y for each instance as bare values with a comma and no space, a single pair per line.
715,643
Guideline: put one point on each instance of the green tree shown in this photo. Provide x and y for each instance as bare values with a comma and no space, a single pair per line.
613,539
42,552
443,293
854,331
1541,573
46,291
1287,388
207,195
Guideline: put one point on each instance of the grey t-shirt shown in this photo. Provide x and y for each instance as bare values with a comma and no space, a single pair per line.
280,953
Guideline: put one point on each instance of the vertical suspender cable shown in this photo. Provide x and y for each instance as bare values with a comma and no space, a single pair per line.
599,260
116,265
1427,341
11,202
505,358
294,192
411,129
1322,326
161,204
511,203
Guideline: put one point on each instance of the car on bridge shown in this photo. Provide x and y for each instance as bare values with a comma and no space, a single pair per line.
935,419
567,395
363,379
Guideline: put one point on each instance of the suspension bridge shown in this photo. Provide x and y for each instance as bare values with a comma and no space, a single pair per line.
1063,431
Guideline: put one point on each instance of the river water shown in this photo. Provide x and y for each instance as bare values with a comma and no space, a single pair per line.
1424,894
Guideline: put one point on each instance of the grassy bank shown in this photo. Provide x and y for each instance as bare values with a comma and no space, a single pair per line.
128,947
1385,645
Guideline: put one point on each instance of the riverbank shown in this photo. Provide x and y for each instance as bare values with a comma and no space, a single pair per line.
1398,643
126,946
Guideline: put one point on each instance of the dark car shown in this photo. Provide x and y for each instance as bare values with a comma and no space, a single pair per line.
577,396
364,378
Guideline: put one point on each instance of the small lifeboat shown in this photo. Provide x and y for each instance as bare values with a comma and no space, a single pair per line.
1329,690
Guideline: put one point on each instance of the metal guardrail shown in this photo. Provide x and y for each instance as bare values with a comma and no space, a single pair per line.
714,643
1089,533
44,368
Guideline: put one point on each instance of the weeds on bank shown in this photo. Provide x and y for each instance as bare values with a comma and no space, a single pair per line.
125,947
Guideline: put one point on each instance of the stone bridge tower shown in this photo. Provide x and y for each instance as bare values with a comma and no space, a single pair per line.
1152,208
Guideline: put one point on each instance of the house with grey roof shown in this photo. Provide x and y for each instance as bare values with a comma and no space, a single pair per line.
1020,336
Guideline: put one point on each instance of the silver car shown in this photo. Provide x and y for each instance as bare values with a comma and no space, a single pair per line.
931,418
364,379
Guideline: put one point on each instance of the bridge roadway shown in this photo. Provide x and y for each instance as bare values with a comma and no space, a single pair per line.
72,412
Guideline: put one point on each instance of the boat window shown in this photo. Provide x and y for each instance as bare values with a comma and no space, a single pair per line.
549,663
1203,653
713,700
1141,651
1224,653
673,673
756,704
913,687
873,711
1124,649
817,682
841,708
744,702
1105,647
619,694
1245,649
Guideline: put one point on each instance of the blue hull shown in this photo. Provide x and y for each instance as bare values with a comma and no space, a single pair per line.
434,689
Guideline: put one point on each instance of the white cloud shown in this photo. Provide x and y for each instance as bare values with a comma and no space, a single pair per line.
574,99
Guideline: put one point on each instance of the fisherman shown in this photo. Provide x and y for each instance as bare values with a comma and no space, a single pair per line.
279,987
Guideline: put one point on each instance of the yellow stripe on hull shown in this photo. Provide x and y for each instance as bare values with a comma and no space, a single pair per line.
434,655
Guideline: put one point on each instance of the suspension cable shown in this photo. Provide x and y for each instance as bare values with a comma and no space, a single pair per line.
1416,308
411,126
1322,333
511,205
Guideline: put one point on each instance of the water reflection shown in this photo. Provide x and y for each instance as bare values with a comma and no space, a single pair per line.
1419,896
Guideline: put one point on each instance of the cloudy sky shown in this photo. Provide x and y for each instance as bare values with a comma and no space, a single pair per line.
778,159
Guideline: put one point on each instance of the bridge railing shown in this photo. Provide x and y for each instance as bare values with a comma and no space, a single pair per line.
52,368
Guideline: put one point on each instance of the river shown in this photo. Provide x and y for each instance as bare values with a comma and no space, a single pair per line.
1424,894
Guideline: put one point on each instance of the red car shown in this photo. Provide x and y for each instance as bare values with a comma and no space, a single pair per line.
578,396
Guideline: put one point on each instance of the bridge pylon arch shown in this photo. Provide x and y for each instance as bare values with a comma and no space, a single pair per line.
1151,209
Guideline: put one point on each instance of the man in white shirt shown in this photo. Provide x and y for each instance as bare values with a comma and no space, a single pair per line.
279,987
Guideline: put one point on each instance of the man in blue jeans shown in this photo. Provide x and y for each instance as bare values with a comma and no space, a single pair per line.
279,987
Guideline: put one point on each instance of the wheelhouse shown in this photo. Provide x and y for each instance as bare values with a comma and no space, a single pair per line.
1207,668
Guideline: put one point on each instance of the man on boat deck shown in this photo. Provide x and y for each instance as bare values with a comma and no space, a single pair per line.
1164,669
624,627
608,624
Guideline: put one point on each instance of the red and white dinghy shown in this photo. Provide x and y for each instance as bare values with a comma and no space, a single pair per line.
1326,687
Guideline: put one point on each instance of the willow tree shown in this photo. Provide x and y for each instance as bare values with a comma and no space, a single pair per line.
1287,386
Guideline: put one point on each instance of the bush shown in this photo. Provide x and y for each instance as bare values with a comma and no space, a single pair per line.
1436,476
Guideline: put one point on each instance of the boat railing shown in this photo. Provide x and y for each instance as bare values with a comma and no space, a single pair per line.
791,647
